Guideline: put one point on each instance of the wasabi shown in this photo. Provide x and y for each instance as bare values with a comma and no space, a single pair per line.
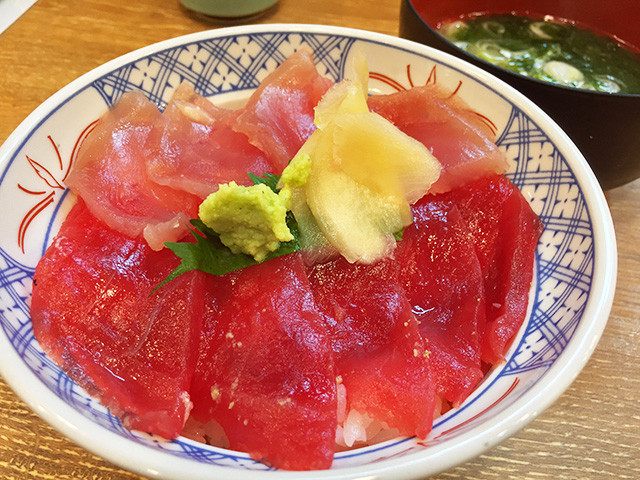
295,175
253,220
249,220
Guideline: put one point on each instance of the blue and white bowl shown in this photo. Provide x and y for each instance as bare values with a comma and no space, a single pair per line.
575,264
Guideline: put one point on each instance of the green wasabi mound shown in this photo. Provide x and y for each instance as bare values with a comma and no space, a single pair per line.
252,220
294,176
249,220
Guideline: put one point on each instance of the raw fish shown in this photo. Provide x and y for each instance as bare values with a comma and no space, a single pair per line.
265,371
93,313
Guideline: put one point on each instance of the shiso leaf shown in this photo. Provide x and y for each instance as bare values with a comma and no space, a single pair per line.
209,255
269,179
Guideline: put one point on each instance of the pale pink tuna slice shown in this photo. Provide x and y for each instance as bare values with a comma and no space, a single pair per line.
278,118
111,174
193,148
461,139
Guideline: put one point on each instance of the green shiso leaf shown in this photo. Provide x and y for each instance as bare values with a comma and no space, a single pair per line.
209,255
269,179
398,235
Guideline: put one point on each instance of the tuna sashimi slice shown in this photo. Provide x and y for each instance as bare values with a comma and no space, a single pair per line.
278,118
265,371
441,275
93,313
193,148
505,231
111,175
459,138
379,353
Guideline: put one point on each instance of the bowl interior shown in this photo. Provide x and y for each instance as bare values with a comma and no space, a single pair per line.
575,256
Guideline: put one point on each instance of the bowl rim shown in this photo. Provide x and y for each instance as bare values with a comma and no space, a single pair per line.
128,454
534,81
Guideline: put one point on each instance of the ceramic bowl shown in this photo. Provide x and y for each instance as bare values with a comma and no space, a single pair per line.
570,297
604,126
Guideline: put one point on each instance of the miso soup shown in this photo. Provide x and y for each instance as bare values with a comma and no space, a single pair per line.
557,52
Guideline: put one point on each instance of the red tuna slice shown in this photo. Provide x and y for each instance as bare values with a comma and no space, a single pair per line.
278,118
93,313
441,275
458,137
505,232
265,370
111,175
379,353
193,148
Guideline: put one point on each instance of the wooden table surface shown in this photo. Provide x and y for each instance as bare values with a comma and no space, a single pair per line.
593,430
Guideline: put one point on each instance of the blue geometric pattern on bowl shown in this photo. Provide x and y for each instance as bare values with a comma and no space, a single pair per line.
565,255
221,65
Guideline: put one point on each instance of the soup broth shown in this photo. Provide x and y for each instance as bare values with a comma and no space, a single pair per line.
558,52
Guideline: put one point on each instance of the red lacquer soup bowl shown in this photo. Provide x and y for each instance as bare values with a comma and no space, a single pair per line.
604,126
